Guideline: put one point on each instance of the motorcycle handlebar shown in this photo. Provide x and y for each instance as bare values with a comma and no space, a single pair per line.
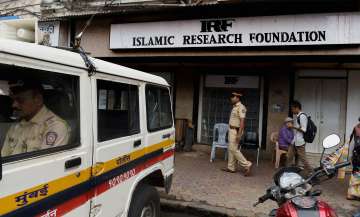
318,171
323,170
262,199
340,165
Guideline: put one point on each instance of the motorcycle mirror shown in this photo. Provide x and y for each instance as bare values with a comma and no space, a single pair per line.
331,141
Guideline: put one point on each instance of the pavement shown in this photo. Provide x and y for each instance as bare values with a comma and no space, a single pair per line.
201,185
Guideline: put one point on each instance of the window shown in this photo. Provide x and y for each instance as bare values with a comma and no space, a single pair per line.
158,108
118,110
39,112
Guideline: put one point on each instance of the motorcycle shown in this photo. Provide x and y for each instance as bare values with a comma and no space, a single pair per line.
294,194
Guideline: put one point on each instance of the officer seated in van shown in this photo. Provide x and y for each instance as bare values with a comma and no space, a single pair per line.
38,127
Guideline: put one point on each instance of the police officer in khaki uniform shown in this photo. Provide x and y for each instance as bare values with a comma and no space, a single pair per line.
38,128
236,125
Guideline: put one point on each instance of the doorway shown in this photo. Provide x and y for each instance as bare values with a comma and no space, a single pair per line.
215,106
324,99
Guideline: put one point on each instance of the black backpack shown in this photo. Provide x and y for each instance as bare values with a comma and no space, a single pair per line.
311,129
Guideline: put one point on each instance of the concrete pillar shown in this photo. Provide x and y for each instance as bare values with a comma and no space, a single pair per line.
278,106
353,101
64,34
184,95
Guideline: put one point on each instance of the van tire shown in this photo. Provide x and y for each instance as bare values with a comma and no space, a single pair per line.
145,202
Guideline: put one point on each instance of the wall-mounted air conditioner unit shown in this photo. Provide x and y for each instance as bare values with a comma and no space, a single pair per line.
20,30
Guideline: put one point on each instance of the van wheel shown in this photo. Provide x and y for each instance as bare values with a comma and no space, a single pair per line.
145,202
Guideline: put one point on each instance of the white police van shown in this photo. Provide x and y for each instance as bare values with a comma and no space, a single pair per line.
120,145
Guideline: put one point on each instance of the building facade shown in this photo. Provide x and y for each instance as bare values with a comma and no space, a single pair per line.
271,51
20,9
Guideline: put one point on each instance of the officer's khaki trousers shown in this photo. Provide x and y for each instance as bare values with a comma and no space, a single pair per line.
234,153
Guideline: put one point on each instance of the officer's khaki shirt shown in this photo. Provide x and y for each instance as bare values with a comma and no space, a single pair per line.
43,131
238,112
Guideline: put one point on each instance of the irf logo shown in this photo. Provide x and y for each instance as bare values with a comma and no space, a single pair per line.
216,25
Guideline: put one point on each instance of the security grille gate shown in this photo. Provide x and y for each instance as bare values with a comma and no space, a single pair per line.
217,107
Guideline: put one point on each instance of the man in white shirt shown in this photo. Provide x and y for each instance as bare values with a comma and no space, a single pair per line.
297,149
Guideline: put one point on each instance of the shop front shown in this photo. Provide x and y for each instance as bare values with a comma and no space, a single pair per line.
216,107
271,60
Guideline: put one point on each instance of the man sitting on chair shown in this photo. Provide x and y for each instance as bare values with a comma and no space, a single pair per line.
286,134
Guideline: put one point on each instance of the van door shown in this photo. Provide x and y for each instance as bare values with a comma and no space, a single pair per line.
119,141
160,127
45,164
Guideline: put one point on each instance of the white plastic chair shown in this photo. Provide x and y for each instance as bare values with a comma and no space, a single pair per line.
278,152
219,139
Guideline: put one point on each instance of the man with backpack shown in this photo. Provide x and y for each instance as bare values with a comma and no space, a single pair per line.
300,127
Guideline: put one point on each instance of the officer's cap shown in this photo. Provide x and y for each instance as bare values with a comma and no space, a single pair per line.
236,94
288,119
19,86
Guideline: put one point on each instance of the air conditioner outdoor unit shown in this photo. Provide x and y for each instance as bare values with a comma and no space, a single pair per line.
20,30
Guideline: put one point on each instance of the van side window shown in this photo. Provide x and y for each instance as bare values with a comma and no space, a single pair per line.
158,107
39,112
118,110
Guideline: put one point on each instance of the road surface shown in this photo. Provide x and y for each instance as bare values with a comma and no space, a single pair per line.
175,214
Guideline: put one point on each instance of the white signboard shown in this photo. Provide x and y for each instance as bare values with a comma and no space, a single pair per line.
53,29
312,29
